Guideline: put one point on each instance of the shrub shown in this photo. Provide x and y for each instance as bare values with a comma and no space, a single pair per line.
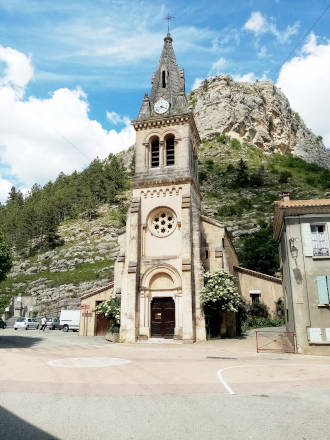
202,174
205,85
284,176
220,291
209,163
110,309
253,322
258,310
235,144
280,308
229,210
297,116
222,138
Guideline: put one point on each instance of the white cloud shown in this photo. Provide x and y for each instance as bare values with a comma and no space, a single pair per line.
306,82
18,71
197,83
5,186
256,23
247,77
218,66
116,119
260,24
41,137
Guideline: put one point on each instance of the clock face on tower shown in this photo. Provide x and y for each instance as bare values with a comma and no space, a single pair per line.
161,106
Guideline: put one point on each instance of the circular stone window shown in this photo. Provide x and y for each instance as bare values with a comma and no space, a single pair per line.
162,222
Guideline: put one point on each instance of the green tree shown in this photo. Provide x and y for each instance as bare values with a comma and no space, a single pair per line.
242,176
6,261
260,251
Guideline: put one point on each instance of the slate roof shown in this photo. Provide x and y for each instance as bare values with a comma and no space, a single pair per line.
174,92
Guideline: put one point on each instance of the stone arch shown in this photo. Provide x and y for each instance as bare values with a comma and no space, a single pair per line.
164,273
168,132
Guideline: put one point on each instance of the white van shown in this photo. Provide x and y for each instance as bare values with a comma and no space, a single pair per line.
70,320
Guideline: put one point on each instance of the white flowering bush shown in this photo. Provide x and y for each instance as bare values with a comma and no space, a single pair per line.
220,291
110,309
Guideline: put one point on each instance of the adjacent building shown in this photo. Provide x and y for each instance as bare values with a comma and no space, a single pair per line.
302,228
259,288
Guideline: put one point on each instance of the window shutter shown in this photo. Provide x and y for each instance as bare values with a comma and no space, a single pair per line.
327,334
307,239
315,334
322,289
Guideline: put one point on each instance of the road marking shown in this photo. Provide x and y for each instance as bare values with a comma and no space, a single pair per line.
87,362
222,380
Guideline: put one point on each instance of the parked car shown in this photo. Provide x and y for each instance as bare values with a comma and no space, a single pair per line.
2,323
26,323
70,320
53,323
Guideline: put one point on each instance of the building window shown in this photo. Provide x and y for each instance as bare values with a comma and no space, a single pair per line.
170,151
323,289
155,153
162,222
206,254
320,241
163,79
255,296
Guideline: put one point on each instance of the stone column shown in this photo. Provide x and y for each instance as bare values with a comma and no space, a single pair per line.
200,331
162,161
187,313
128,325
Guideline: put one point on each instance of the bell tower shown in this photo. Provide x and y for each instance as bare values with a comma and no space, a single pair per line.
159,270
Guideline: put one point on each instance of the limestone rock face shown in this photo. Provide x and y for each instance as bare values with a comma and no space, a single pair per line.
57,279
256,113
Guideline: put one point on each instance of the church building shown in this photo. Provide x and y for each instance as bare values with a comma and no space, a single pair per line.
167,243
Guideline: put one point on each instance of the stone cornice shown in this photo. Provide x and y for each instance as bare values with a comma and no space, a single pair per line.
169,120
165,182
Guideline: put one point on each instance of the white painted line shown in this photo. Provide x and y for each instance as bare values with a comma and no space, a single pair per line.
222,380
87,362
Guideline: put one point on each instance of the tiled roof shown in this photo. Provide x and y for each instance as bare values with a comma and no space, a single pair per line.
95,292
302,203
297,207
257,274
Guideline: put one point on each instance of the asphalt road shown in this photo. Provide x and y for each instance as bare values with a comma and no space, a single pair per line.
55,385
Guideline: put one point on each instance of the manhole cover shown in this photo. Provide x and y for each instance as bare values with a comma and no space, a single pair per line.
88,362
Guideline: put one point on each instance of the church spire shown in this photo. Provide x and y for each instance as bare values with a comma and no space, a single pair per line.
167,96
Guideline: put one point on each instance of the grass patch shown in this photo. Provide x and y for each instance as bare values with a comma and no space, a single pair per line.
84,272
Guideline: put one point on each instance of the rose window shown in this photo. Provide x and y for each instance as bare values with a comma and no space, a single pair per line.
163,222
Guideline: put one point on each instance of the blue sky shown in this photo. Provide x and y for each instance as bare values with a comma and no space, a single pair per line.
72,73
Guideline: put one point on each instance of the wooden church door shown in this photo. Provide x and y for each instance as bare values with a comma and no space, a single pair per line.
162,317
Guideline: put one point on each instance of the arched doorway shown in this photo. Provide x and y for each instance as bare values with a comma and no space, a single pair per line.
162,317
160,303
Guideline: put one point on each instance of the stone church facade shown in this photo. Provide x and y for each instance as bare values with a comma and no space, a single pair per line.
167,243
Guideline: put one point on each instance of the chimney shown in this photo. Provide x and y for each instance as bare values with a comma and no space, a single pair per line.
286,196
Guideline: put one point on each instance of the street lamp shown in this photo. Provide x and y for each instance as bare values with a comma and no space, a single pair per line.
293,249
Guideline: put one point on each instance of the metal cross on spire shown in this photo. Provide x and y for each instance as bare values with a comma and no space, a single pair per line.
169,18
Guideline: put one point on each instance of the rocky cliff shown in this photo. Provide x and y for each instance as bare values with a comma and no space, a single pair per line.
256,113
57,279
